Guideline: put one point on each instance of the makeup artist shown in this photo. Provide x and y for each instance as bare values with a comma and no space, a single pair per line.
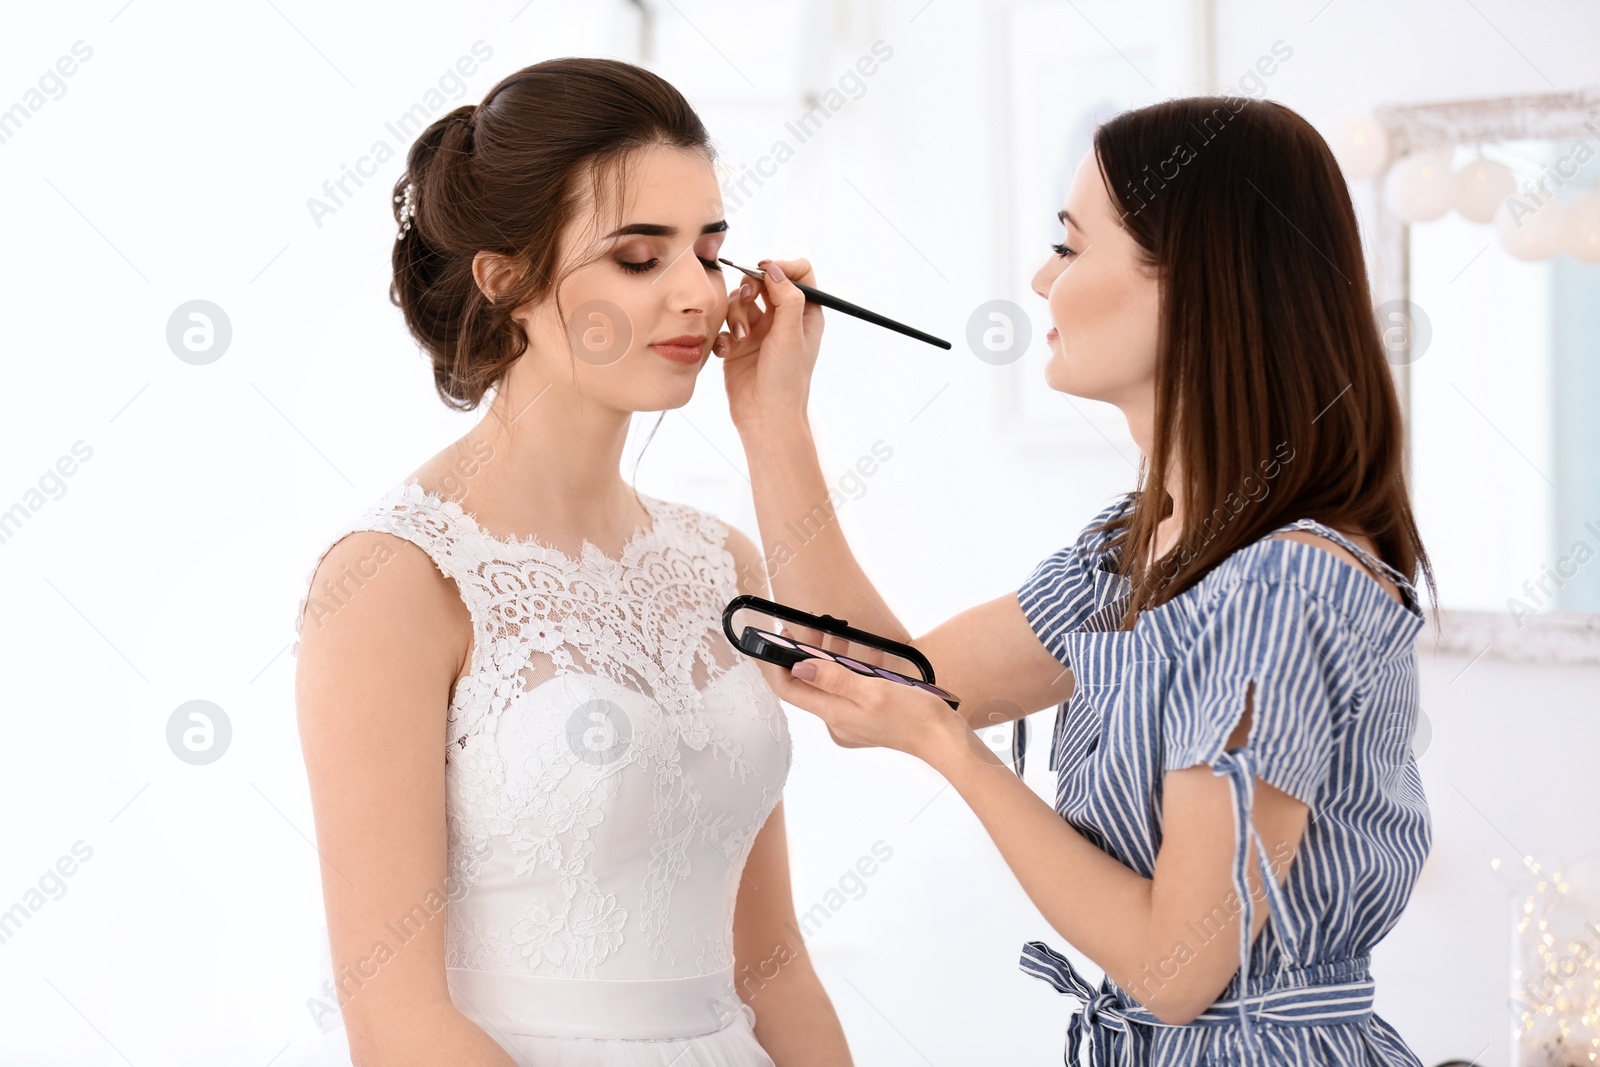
1238,817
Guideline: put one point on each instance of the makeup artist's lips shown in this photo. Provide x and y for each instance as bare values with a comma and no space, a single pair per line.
686,349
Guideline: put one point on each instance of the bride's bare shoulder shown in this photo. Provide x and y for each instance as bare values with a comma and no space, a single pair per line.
371,586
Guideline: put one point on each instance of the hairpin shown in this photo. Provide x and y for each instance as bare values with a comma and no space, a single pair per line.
408,209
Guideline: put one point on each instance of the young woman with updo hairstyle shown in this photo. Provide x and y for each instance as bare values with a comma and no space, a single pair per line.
548,791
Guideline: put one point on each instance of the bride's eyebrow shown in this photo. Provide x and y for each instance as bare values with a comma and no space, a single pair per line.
654,229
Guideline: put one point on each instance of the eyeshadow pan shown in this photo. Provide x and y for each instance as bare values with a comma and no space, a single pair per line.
785,649
814,650
884,672
781,642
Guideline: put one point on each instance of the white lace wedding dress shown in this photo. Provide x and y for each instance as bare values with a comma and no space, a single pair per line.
609,760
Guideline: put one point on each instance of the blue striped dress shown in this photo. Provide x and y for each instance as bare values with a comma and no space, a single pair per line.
1333,661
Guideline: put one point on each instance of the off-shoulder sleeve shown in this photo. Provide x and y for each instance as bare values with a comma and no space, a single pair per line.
1060,592
1276,635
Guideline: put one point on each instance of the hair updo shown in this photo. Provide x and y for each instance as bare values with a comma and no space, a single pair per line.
503,176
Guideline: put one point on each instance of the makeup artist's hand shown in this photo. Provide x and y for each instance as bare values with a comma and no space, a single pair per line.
862,712
768,353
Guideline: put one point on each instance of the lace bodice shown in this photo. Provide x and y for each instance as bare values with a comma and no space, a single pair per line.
609,755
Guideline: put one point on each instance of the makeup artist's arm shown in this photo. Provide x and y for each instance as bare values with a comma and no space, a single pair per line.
768,357
795,1020
1172,939
987,655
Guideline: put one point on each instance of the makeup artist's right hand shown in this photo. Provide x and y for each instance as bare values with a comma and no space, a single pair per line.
768,353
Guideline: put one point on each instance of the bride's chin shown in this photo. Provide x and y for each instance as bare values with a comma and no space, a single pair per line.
669,391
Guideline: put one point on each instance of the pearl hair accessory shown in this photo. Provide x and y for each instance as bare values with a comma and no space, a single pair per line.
408,209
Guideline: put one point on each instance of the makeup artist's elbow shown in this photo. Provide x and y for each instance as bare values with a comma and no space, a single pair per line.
1180,1007
1177,1001
1171,980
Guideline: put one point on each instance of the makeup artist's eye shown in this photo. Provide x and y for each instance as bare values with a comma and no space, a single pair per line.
1063,251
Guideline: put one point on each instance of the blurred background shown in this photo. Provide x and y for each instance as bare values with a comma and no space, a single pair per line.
162,498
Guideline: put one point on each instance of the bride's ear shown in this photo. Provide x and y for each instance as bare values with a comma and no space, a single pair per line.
494,274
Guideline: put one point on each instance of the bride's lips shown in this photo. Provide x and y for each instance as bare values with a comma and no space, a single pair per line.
1051,334
690,348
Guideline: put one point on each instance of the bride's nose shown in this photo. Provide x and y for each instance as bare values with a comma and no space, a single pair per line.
695,289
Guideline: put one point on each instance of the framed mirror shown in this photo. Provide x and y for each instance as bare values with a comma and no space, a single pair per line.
1486,277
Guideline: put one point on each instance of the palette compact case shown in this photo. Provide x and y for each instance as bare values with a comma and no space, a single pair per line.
786,651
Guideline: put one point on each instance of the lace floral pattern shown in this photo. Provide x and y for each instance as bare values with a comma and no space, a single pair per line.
609,756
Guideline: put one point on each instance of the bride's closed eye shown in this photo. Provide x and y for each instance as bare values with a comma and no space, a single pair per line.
1062,251
650,264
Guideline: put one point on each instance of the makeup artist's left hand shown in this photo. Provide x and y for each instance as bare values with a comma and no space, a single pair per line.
862,712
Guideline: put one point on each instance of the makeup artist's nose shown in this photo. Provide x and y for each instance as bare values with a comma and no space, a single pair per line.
1040,283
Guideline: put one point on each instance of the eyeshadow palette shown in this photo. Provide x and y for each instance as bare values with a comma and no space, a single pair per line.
785,651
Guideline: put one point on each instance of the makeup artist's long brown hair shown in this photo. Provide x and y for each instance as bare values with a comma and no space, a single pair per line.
1273,393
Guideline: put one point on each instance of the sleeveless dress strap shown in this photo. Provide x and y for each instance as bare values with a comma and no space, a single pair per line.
405,511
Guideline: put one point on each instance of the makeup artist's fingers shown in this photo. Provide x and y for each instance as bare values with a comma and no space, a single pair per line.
860,711
796,270
788,304
736,320
767,362
827,699
845,685
740,316
803,694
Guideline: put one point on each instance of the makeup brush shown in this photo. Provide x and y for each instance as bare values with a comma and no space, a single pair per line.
817,296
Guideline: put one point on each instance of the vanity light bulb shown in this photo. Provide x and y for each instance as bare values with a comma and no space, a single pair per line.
1361,146
1531,233
1583,228
1421,187
1481,187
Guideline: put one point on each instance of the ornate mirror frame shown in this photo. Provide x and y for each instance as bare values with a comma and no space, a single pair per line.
1553,637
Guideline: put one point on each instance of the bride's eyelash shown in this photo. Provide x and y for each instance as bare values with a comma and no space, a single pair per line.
1062,250
649,265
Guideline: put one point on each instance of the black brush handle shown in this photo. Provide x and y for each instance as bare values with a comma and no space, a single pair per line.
828,300
817,296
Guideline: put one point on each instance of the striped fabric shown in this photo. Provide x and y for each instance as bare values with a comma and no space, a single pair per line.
1332,659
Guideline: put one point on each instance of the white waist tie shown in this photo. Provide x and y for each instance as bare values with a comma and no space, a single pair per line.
541,1006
